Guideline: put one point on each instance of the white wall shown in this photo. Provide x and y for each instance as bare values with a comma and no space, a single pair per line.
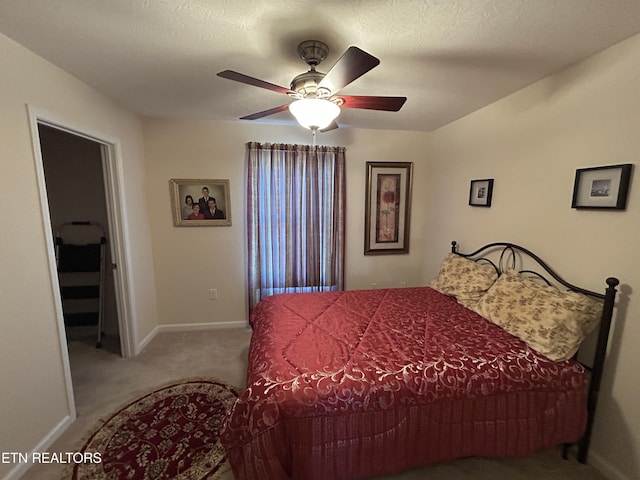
33,398
531,143
190,260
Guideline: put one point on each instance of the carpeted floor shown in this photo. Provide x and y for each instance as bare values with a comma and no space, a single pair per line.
103,381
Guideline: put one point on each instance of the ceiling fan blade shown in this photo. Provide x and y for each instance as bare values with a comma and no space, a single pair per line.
332,126
389,104
351,65
265,113
239,77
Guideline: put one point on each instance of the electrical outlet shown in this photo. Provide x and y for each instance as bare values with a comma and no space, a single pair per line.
373,285
403,284
213,294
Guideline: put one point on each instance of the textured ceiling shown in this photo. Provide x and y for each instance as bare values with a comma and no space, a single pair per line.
448,57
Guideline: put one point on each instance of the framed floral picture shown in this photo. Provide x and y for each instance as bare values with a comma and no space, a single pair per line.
200,202
387,207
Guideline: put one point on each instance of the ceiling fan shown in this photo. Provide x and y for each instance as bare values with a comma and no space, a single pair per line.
317,103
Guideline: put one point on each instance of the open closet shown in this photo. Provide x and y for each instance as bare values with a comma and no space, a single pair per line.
77,205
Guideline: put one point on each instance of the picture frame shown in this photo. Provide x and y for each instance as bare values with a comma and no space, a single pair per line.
388,208
481,192
218,190
604,187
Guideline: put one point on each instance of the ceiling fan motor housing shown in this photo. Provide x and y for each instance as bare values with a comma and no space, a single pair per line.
305,85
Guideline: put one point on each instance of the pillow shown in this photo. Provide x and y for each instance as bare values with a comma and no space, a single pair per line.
552,322
464,279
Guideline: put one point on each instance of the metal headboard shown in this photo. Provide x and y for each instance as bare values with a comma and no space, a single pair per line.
507,259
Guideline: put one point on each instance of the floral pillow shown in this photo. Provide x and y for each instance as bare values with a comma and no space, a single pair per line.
551,321
464,279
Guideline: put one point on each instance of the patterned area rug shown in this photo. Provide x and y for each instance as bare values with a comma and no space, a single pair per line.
171,433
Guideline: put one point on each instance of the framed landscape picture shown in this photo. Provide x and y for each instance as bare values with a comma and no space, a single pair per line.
387,207
200,202
602,187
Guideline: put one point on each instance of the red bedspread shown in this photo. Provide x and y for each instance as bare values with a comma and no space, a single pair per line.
353,384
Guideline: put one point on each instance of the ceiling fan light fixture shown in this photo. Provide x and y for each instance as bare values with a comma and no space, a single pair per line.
314,113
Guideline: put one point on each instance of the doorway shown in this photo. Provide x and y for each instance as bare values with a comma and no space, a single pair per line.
112,189
75,184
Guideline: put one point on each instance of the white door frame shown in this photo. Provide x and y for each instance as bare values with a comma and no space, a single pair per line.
114,190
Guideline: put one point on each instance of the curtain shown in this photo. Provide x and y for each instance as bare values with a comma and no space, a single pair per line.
295,219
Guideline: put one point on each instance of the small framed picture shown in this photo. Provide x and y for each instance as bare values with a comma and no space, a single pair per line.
602,187
481,192
200,202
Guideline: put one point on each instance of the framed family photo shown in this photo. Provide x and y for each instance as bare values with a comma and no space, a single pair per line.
480,192
387,207
200,202
602,187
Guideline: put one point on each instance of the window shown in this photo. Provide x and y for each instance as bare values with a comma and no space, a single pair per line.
295,219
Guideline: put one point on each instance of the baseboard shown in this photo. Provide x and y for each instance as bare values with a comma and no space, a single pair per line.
21,468
185,327
605,467
145,341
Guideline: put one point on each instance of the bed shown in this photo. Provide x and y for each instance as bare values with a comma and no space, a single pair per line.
482,362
